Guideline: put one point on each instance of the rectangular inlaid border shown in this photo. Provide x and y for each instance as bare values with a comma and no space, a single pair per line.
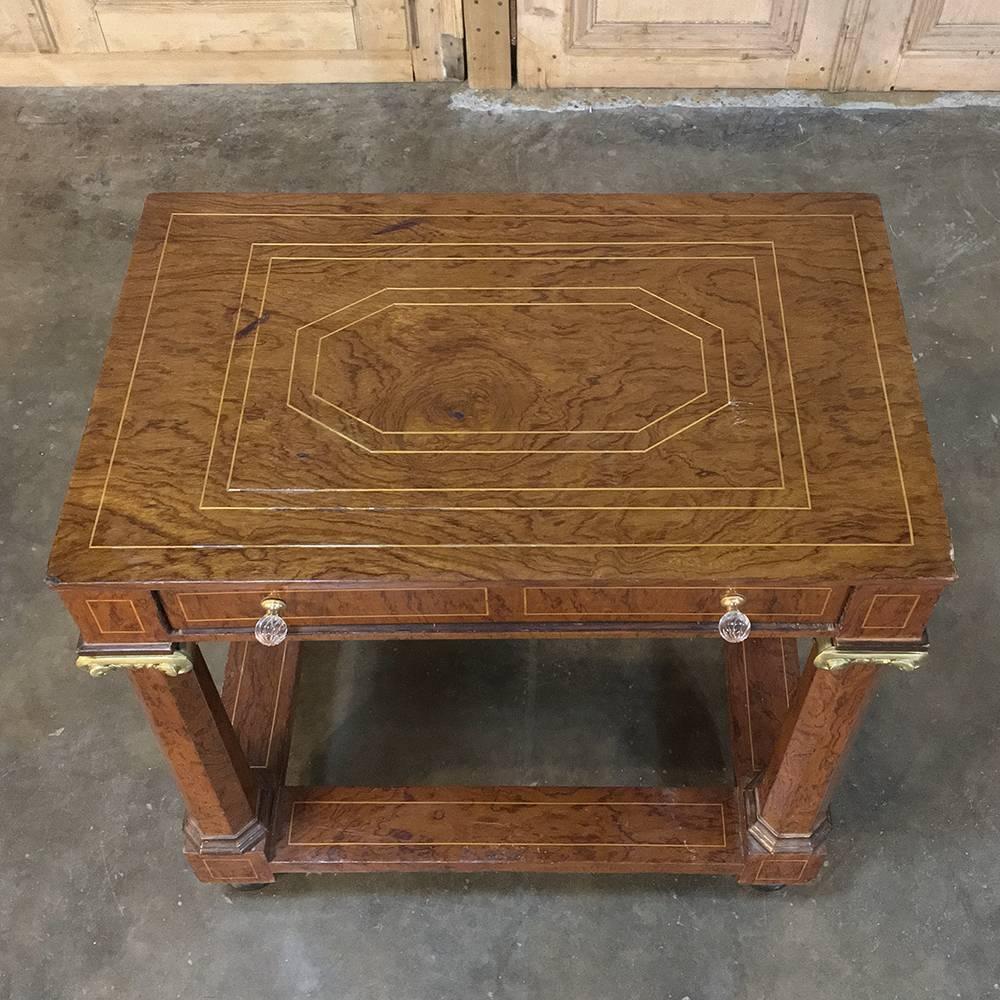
498,843
555,489
689,615
865,627
235,869
139,627
787,216
782,872
283,591
913,607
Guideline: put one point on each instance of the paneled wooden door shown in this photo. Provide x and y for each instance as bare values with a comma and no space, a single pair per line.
872,45
229,41
678,43
816,44
929,45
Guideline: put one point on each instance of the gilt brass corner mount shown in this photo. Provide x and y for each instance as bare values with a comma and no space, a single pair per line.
831,657
172,661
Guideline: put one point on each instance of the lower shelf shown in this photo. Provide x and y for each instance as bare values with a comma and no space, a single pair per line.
513,828
533,829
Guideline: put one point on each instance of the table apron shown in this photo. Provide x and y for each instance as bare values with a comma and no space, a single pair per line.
879,611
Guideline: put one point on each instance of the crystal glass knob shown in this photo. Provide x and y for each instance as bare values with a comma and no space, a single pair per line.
734,626
271,629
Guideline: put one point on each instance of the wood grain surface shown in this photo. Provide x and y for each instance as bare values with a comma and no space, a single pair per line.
310,606
824,715
565,829
454,390
197,739
761,677
475,415
109,615
258,693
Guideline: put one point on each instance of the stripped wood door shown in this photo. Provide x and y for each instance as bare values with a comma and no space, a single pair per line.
929,45
17,23
868,45
814,44
678,43
221,41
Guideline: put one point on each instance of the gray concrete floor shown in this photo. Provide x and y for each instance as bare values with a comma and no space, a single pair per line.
95,900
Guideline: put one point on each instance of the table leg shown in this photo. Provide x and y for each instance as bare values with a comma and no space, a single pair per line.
224,837
761,677
790,800
258,691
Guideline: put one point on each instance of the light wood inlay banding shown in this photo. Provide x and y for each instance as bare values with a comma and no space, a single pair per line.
517,827
200,609
385,820
401,417
690,603
115,617
893,611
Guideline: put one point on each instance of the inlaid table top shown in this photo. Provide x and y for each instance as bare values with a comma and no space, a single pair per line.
422,388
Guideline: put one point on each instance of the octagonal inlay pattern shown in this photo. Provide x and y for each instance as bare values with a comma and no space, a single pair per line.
462,370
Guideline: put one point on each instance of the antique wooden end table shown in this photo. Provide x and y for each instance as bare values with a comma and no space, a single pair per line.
363,417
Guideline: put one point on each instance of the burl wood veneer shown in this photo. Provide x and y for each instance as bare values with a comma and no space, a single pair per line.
505,416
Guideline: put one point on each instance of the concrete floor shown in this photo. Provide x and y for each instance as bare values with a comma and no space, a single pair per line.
95,900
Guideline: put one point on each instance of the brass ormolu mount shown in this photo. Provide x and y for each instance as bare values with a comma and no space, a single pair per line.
832,657
167,659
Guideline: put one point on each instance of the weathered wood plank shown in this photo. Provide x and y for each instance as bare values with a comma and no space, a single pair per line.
488,43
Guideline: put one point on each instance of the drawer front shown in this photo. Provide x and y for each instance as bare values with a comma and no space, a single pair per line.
771,604
206,609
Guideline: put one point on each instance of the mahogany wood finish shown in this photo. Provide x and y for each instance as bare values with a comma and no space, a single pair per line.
258,690
112,616
525,829
792,796
467,416
197,738
759,426
304,606
888,612
257,694
761,676
224,835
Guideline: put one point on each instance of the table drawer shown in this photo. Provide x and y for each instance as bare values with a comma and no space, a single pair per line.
205,609
771,604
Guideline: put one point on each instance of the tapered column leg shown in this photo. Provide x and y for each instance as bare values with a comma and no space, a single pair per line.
224,837
791,798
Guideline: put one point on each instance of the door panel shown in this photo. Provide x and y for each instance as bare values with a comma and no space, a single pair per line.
930,45
831,44
640,23
678,43
686,11
141,26
969,12
15,33
219,41
867,45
